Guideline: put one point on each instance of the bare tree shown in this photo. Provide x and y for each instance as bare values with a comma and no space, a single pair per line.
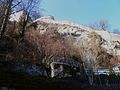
6,8
89,50
52,47
6,16
2,11
35,15
100,25
28,7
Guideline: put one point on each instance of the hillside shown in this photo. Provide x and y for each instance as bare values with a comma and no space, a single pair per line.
77,31
56,52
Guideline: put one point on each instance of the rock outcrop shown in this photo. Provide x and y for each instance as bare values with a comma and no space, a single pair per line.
80,33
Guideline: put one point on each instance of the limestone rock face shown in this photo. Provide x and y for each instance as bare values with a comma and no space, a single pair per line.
16,16
45,18
80,33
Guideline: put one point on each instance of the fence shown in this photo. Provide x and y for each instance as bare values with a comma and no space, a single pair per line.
107,81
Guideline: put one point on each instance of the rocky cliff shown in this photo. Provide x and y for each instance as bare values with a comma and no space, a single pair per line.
80,33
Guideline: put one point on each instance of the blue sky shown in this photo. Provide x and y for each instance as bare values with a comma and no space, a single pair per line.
84,11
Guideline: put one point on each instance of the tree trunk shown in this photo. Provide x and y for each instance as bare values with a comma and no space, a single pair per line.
25,22
6,18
